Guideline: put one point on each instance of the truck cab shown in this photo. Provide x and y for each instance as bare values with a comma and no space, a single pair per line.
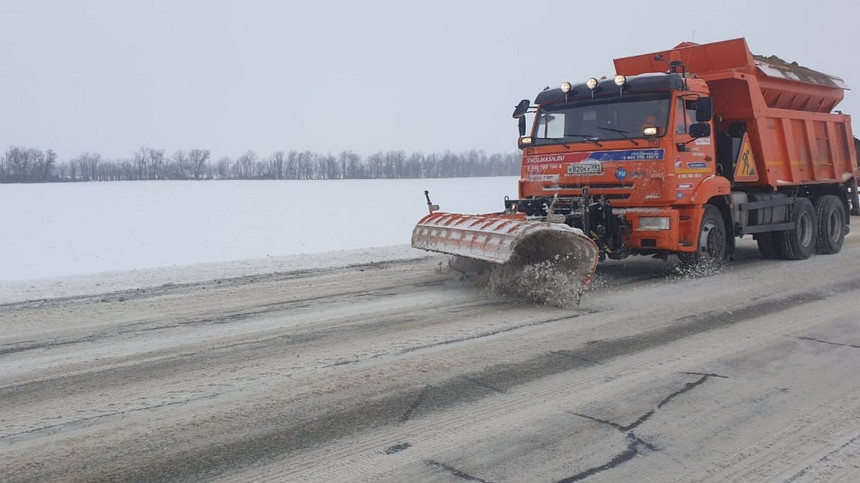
623,159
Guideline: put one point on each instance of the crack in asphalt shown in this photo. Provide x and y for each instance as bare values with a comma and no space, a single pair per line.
839,344
415,404
635,444
687,388
634,447
455,472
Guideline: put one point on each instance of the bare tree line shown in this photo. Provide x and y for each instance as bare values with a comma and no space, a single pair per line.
28,165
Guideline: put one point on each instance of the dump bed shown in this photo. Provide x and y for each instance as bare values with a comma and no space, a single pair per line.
784,108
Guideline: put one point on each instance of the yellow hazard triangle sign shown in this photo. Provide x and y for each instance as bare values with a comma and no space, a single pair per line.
745,168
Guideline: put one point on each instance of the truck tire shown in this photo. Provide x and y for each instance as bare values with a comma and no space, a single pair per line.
830,213
799,243
711,252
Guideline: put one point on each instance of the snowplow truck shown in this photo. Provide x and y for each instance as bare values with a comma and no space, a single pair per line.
680,153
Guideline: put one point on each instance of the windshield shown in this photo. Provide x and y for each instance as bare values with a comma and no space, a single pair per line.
601,119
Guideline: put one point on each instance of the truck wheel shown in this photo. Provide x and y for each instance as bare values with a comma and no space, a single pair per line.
711,251
830,213
799,243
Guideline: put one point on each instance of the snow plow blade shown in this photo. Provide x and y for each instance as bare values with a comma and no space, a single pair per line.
508,239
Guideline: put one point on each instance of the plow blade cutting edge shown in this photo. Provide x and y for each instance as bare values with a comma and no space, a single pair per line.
501,239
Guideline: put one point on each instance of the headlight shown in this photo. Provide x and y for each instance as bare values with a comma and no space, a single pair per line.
653,223
566,87
524,142
620,80
591,83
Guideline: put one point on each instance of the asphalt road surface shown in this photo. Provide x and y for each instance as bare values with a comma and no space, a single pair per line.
403,371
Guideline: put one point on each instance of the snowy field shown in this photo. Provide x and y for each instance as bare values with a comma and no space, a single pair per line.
77,238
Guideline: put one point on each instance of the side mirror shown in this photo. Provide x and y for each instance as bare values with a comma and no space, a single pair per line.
704,109
521,108
700,130
520,115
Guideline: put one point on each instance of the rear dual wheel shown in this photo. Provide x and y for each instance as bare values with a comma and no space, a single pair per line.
797,243
818,228
830,212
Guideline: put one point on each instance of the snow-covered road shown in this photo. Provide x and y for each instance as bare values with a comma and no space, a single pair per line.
402,371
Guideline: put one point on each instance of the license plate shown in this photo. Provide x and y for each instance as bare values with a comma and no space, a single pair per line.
585,168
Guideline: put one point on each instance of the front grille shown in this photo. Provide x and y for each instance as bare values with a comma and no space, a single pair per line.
610,191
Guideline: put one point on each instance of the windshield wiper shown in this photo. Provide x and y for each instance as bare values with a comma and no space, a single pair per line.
587,137
622,133
558,140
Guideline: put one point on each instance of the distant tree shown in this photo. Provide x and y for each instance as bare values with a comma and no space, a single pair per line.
351,165
178,167
306,164
292,168
328,167
18,165
156,163
413,166
87,166
141,163
26,165
43,165
393,167
125,170
275,166
61,172
223,168
244,166
376,165
198,163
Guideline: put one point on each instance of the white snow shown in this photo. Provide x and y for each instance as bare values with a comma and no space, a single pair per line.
71,239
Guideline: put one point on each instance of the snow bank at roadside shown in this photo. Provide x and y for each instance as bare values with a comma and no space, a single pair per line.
72,239
105,282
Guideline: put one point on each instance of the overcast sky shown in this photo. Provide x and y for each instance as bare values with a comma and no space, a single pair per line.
111,76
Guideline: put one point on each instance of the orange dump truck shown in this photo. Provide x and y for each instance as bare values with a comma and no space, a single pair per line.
682,152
